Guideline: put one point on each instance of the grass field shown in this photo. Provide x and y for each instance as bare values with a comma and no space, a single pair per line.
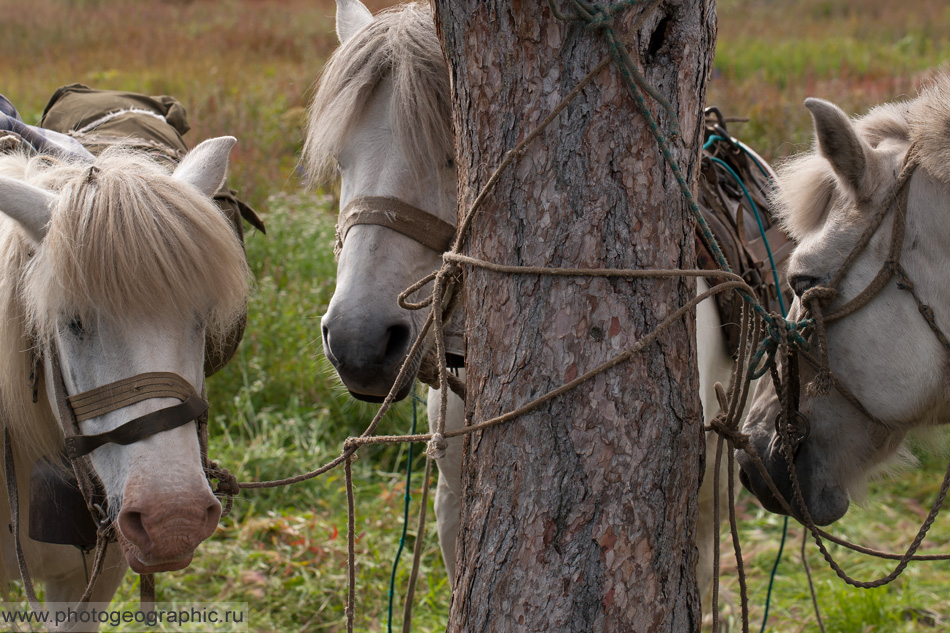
245,67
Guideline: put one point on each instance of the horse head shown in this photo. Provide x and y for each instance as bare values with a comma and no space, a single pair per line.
381,116
880,369
128,270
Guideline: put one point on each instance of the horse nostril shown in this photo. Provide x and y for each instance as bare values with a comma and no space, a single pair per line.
212,516
133,528
326,343
397,342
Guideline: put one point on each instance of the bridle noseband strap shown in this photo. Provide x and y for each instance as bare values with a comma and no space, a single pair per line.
128,391
118,395
140,428
413,222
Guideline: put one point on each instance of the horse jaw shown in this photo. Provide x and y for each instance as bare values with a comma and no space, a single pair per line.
351,16
366,335
823,492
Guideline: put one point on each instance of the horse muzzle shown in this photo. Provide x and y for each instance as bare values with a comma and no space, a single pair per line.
825,500
369,361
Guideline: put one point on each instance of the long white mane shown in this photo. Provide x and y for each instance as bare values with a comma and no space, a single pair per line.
399,43
125,239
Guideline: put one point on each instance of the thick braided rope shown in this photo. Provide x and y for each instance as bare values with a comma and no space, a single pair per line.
787,449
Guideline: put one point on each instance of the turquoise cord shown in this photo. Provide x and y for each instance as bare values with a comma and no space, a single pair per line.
758,220
778,559
405,522
781,547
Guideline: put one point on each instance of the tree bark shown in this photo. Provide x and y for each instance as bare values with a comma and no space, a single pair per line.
579,516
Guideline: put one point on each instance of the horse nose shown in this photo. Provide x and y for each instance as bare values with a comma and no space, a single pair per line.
164,530
366,348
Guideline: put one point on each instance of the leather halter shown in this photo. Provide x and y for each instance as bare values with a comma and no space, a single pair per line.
123,393
413,222
116,395
90,404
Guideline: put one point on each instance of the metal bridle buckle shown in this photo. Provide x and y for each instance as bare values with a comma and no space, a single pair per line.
103,518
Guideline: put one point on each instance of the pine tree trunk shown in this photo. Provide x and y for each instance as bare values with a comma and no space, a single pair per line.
579,517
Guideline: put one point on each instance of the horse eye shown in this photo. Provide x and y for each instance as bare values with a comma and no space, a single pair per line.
75,327
802,283
450,163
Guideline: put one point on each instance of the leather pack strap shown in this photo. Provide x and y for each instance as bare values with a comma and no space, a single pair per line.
103,536
411,221
139,428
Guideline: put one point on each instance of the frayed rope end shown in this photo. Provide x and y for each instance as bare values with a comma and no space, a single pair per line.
821,385
436,446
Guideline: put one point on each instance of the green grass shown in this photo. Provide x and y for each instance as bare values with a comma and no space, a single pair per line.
856,53
245,67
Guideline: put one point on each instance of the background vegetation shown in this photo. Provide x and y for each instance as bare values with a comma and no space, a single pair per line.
245,67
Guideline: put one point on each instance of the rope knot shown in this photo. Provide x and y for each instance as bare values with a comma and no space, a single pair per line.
822,383
728,430
227,482
451,269
600,20
437,446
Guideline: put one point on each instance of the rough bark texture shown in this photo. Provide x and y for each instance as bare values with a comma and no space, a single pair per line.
579,517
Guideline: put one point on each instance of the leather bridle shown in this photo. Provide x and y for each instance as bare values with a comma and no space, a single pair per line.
413,222
74,409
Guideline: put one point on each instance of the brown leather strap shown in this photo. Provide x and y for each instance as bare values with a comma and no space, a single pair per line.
403,218
147,593
139,428
122,393
13,498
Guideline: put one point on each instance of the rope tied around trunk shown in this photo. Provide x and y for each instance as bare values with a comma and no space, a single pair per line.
771,336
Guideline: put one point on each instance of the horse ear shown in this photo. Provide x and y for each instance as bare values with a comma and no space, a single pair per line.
351,16
839,143
206,165
30,206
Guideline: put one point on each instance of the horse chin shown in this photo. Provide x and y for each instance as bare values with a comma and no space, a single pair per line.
826,501
142,567
376,398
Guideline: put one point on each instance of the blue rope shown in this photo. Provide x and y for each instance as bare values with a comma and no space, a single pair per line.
758,220
405,522
706,146
716,137
778,559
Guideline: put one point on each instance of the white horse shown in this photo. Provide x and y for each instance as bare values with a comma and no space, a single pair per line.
382,116
885,353
118,268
